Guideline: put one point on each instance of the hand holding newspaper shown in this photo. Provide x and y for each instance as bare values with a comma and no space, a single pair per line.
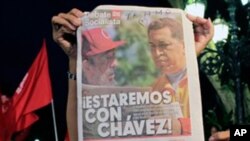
137,76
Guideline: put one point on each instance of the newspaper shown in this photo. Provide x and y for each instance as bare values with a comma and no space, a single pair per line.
137,75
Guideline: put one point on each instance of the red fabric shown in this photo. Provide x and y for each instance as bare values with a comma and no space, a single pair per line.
100,41
67,137
34,92
186,126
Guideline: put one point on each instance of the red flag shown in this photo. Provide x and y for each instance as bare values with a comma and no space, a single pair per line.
34,92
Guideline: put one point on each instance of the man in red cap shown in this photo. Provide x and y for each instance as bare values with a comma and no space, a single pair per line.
99,62
98,66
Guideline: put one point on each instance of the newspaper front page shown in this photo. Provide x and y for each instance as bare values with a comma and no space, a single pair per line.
137,76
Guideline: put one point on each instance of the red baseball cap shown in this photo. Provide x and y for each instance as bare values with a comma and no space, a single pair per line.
99,41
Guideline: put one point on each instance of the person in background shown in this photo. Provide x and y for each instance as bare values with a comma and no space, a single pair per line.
220,136
65,24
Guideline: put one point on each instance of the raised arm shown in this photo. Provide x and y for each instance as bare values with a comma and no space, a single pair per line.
64,31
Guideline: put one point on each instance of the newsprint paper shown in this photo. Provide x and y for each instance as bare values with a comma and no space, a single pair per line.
137,76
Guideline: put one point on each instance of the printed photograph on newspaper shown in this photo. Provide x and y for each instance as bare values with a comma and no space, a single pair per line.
137,76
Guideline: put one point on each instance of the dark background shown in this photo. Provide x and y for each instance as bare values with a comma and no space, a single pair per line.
23,26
